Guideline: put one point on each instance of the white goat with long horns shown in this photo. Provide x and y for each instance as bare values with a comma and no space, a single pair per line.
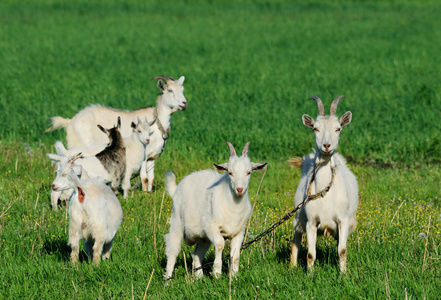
208,207
327,180
82,130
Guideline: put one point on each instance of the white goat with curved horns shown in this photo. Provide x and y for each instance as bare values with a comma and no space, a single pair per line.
82,130
208,207
334,211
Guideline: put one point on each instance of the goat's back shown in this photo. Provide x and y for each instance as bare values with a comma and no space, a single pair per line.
83,130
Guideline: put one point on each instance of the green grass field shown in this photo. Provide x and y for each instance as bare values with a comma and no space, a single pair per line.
250,68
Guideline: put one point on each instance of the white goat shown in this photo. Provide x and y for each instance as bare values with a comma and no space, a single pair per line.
81,129
95,213
208,207
334,211
135,150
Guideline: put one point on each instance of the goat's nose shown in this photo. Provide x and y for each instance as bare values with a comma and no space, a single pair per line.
54,188
147,141
326,146
239,191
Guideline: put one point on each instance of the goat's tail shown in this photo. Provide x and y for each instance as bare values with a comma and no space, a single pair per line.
170,182
59,147
57,123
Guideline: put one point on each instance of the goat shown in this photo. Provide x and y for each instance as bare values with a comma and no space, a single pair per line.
108,166
135,150
81,129
334,210
208,207
95,213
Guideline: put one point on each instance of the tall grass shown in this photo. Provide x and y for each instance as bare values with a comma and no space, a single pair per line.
250,68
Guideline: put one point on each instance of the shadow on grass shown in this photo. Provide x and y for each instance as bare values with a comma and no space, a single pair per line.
61,250
324,256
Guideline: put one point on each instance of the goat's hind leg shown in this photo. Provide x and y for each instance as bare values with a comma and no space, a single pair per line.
173,241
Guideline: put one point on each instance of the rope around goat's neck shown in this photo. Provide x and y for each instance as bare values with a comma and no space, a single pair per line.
323,193
164,132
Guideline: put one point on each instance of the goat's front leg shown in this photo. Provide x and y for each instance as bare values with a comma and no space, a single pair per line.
311,236
147,174
219,244
97,250
343,233
126,185
74,242
198,256
236,244
295,247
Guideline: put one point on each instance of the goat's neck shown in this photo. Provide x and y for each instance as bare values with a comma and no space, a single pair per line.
164,114
323,173
134,143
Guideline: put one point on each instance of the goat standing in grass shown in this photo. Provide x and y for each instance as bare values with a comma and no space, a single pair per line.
208,207
95,213
81,130
334,210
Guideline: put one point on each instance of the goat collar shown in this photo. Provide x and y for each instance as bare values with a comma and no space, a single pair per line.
323,193
164,132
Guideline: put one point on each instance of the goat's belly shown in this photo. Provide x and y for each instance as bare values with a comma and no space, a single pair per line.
327,228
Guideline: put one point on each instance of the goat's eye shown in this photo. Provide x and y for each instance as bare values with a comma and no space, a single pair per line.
248,174
316,129
170,91
338,130
230,173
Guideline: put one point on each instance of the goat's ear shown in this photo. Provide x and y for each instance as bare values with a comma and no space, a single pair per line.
133,125
181,80
55,158
102,128
308,121
345,119
258,167
161,85
222,167
78,170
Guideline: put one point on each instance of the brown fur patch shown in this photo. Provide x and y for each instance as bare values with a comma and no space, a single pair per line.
81,195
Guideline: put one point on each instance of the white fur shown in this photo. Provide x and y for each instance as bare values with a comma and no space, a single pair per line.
334,214
208,207
82,130
96,219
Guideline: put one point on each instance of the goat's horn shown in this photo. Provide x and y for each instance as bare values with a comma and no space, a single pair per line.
74,158
320,106
232,151
167,79
245,149
334,105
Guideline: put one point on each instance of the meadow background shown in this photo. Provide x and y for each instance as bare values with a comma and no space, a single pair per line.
250,68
